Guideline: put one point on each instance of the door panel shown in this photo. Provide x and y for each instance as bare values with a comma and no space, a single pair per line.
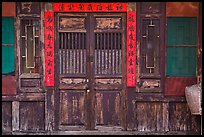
90,75
108,47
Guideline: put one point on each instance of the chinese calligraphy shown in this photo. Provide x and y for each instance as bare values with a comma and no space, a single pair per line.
49,48
90,7
131,49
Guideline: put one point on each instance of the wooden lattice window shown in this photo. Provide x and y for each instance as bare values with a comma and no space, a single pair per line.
30,45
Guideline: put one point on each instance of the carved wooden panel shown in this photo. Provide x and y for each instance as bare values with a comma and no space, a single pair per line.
150,84
108,23
72,81
108,81
29,7
72,24
30,82
150,7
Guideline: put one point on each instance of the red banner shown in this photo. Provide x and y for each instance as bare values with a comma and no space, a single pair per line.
131,49
49,48
90,7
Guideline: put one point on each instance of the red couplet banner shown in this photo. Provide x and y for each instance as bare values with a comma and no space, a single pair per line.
131,49
49,47
90,7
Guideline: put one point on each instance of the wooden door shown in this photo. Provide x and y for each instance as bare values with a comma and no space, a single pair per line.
89,52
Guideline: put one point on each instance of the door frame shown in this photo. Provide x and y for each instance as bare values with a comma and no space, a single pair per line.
57,7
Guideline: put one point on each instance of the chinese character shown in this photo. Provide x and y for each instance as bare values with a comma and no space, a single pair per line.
131,18
131,62
99,7
81,7
89,7
49,28
130,71
49,18
62,7
130,53
131,28
109,7
49,45
130,45
49,53
49,62
70,6
119,7
49,36
131,36
49,71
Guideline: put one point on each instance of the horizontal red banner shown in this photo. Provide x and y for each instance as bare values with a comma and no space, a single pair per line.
90,7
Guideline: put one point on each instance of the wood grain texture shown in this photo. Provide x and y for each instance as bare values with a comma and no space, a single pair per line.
182,9
175,86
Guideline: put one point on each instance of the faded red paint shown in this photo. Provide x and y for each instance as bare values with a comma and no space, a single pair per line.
49,48
90,7
175,86
8,85
131,49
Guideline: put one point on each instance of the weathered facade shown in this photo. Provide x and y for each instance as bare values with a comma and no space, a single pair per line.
90,66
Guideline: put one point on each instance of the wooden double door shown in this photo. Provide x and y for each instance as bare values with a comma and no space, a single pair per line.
90,69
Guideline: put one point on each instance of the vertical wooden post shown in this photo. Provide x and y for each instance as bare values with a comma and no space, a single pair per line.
15,116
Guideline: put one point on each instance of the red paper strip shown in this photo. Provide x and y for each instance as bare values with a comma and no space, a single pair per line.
131,49
49,48
90,7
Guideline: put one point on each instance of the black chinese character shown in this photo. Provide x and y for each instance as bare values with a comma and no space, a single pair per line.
119,7
49,18
109,7
49,53
49,36
49,71
131,28
49,28
70,6
130,53
99,7
130,45
49,62
131,18
49,45
131,36
131,62
130,71
81,7
61,7
89,7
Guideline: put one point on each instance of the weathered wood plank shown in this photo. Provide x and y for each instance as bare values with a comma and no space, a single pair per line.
148,116
179,117
72,108
32,115
108,108
6,116
15,116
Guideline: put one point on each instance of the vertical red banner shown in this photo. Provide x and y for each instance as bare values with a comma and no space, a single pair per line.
49,47
131,49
